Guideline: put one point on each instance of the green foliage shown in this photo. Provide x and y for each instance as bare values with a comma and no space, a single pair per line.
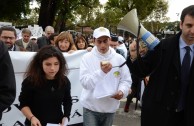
144,7
14,9
149,12
154,21
73,11
68,14
158,14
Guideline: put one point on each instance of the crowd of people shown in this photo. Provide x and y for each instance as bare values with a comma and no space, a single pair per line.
109,71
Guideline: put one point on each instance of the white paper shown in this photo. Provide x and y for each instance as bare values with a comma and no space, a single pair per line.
104,96
51,124
66,121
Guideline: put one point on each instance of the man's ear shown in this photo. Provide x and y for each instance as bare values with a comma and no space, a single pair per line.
181,25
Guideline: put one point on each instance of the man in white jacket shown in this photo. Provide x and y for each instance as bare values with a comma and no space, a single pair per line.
105,79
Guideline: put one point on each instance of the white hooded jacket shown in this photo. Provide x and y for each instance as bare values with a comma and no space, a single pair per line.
98,87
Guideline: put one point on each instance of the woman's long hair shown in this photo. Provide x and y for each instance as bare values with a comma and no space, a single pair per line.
35,70
78,39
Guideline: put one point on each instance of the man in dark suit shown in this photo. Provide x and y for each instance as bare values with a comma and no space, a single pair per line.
8,36
44,40
168,97
7,79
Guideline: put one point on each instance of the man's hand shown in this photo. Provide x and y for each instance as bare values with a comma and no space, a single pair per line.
118,95
132,50
35,121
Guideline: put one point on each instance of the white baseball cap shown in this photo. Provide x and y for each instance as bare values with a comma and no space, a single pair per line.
120,39
101,31
33,37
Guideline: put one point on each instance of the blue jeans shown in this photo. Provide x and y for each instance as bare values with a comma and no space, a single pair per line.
91,118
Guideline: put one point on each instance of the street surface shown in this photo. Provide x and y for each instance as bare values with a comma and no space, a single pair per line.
132,118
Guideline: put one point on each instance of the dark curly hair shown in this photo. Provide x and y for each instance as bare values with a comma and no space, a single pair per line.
35,69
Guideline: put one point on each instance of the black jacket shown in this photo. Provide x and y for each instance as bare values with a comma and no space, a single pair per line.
46,101
42,41
7,79
162,93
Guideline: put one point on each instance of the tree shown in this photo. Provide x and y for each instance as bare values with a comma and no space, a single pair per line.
154,10
47,12
14,9
58,12
86,16
110,19
155,19
66,14
144,7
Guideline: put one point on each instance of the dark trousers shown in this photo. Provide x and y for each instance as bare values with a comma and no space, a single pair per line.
159,116
130,97
176,119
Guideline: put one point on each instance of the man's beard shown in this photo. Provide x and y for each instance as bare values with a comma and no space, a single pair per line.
10,47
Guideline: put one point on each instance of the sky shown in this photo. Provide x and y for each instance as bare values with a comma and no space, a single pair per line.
176,7
103,1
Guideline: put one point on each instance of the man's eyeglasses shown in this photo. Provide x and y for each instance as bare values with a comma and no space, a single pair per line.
7,37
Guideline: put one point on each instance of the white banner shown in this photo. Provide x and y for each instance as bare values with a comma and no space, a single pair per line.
5,24
13,116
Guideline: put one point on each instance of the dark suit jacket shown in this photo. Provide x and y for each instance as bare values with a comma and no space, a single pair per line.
162,93
7,79
42,41
15,48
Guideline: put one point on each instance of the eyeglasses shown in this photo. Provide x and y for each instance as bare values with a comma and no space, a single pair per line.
7,37
48,33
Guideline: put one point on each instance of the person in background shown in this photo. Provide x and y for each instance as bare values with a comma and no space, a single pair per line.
122,46
7,79
128,41
53,38
65,43
33,39
45,89
8,36
91,42
81,44
114,43
136,81
105,80
168,97
25,44
44,40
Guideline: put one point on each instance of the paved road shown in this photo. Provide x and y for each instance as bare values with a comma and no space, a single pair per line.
132,118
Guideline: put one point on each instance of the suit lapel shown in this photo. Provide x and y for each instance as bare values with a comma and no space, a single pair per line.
176,60
176,56
192,66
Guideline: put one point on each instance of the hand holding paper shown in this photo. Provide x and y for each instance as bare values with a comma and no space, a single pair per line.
64,123
50,124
